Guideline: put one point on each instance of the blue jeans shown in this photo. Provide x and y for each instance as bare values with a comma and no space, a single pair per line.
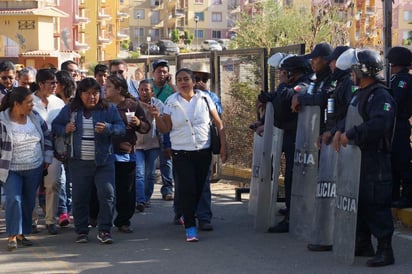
85,174
145,173
65,197
20,190
166,171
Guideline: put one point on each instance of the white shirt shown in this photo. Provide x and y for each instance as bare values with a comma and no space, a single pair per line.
190,121
51,111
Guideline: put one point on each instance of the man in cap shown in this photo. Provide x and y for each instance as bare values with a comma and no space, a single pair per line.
321,79
162,89
339,96
370,127
400,59
294,74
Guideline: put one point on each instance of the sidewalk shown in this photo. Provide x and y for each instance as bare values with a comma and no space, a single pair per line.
158,246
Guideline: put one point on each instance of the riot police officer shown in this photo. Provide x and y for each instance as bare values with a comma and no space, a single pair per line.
294,78
400,59
373,135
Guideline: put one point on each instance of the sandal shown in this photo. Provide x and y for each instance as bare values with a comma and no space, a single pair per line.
12,245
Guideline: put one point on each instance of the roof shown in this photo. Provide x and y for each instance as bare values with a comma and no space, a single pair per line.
51,53
46,11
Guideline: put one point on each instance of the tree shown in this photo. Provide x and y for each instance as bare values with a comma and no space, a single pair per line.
275,26
188,37
175,36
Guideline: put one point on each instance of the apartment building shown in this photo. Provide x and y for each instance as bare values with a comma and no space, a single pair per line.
402,22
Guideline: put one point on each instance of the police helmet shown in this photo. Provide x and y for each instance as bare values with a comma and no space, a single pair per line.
276,59
294,63
364,62
399,56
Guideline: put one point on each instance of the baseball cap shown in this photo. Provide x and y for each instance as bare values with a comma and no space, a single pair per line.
336,53
320,50
159,62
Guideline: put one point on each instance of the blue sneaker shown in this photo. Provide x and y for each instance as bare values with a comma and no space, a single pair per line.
191,234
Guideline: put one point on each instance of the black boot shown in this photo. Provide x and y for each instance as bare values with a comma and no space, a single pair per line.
281,227
384,254
363,245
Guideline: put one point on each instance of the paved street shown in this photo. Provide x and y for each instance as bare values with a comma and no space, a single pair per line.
158,246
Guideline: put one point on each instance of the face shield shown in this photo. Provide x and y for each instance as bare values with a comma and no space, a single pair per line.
347,59
277,59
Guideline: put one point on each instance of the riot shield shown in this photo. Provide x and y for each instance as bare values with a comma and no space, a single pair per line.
305,170
322,233
266,204
254,181
346,203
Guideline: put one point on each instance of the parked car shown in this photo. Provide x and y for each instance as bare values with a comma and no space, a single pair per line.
211,45
224,43
153,48
167,47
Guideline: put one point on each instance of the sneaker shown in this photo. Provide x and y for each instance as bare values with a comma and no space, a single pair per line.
82,239
191,235
52,229
64,219
168,197
12,245
24,241
179,220
104,237
205,226
140,207
92,222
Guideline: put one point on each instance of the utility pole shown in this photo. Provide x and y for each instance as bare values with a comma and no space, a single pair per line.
387,35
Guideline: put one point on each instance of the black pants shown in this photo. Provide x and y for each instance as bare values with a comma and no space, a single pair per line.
190,170
125,192
401,162
288,147
375,190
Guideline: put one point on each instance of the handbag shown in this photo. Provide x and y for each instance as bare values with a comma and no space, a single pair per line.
61,144
214,134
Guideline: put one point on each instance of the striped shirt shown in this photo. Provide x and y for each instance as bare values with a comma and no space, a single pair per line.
88,142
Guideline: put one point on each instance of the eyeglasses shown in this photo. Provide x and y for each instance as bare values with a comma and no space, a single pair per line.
90,94
4,78
116,72
204,80
52,83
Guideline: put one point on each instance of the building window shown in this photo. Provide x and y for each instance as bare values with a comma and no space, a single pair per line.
155,17
199,1
216,17
201,16
138,14
199,34
216,34
138,32
407,15
405,34
217,2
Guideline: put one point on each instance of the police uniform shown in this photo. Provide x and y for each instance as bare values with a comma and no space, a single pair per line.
401,88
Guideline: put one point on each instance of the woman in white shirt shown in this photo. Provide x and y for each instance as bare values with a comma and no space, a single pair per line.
186,116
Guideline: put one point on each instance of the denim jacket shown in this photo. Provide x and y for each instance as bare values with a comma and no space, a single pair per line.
103,142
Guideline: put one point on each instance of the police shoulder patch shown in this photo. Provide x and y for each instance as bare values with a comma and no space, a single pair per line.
402,84
387,107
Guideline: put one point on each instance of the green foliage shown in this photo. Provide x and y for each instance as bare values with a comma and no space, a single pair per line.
276,26
134,54
124,45
188,37
175,36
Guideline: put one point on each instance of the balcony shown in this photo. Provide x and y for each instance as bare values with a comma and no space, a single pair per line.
103,17
122,36
103,41
171,4
80,46
122,15
80,20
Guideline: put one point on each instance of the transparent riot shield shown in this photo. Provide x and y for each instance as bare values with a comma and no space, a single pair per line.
269,173
346,203
322,233
305,170
254,181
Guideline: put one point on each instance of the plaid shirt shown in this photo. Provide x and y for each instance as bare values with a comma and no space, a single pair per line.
6,141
